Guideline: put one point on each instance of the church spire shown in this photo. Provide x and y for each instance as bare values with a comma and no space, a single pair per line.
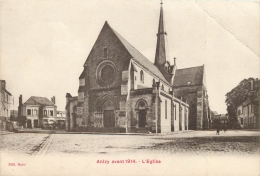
160,55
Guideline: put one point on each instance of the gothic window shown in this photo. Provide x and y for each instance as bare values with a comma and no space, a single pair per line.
142,76
106,72
105,52
162,87
51,112
29,112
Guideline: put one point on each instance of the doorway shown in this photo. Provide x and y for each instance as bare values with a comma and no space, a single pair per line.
29,124
142,118
109,118
35,123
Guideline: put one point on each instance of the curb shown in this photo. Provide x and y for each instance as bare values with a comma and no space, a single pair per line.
100,133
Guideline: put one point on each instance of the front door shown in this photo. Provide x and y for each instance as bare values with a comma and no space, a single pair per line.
29,124
142,118
35,123
109,118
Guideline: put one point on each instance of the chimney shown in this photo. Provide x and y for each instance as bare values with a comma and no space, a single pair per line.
3,83
20,109
53,99
20,100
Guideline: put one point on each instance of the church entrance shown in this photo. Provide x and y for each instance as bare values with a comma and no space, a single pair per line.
109,118
141,111
142,118
108,113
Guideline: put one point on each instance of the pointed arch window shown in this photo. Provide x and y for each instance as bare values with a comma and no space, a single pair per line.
142,76
105,52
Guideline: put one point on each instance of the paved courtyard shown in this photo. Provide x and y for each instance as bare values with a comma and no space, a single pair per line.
192,143
95,150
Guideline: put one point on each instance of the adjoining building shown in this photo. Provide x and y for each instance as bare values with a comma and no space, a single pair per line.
249,111
121,88
36,109
219,120
5,98
190,85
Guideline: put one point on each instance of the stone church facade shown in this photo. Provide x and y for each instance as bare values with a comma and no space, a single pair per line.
121,88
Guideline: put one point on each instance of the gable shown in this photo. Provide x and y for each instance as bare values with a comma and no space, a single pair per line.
189,76
107,57
132,53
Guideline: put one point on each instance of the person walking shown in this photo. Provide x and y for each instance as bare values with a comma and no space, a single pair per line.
217,130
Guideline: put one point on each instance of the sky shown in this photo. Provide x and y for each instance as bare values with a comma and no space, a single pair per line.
44,43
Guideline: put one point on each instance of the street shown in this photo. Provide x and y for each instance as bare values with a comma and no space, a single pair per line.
96,150
196,142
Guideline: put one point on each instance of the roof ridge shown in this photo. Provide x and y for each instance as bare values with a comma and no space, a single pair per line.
120,37
129,43
40,102
190,67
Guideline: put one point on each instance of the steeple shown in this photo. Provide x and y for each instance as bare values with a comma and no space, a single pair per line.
160,55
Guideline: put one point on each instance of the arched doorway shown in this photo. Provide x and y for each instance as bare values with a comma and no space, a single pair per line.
108,109
141,108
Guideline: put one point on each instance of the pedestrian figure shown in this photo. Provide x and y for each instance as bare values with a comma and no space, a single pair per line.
217,130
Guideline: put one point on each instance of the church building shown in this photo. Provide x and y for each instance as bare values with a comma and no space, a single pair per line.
121,88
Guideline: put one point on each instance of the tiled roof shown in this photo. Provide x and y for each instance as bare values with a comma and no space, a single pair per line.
194,75
33,100
139,58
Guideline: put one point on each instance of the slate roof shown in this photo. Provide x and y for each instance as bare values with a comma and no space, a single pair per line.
33,100
139,58
194,75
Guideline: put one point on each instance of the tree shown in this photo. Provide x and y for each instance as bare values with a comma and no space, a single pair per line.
236,97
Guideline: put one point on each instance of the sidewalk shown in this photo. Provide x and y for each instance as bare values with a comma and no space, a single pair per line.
98,133
5,132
